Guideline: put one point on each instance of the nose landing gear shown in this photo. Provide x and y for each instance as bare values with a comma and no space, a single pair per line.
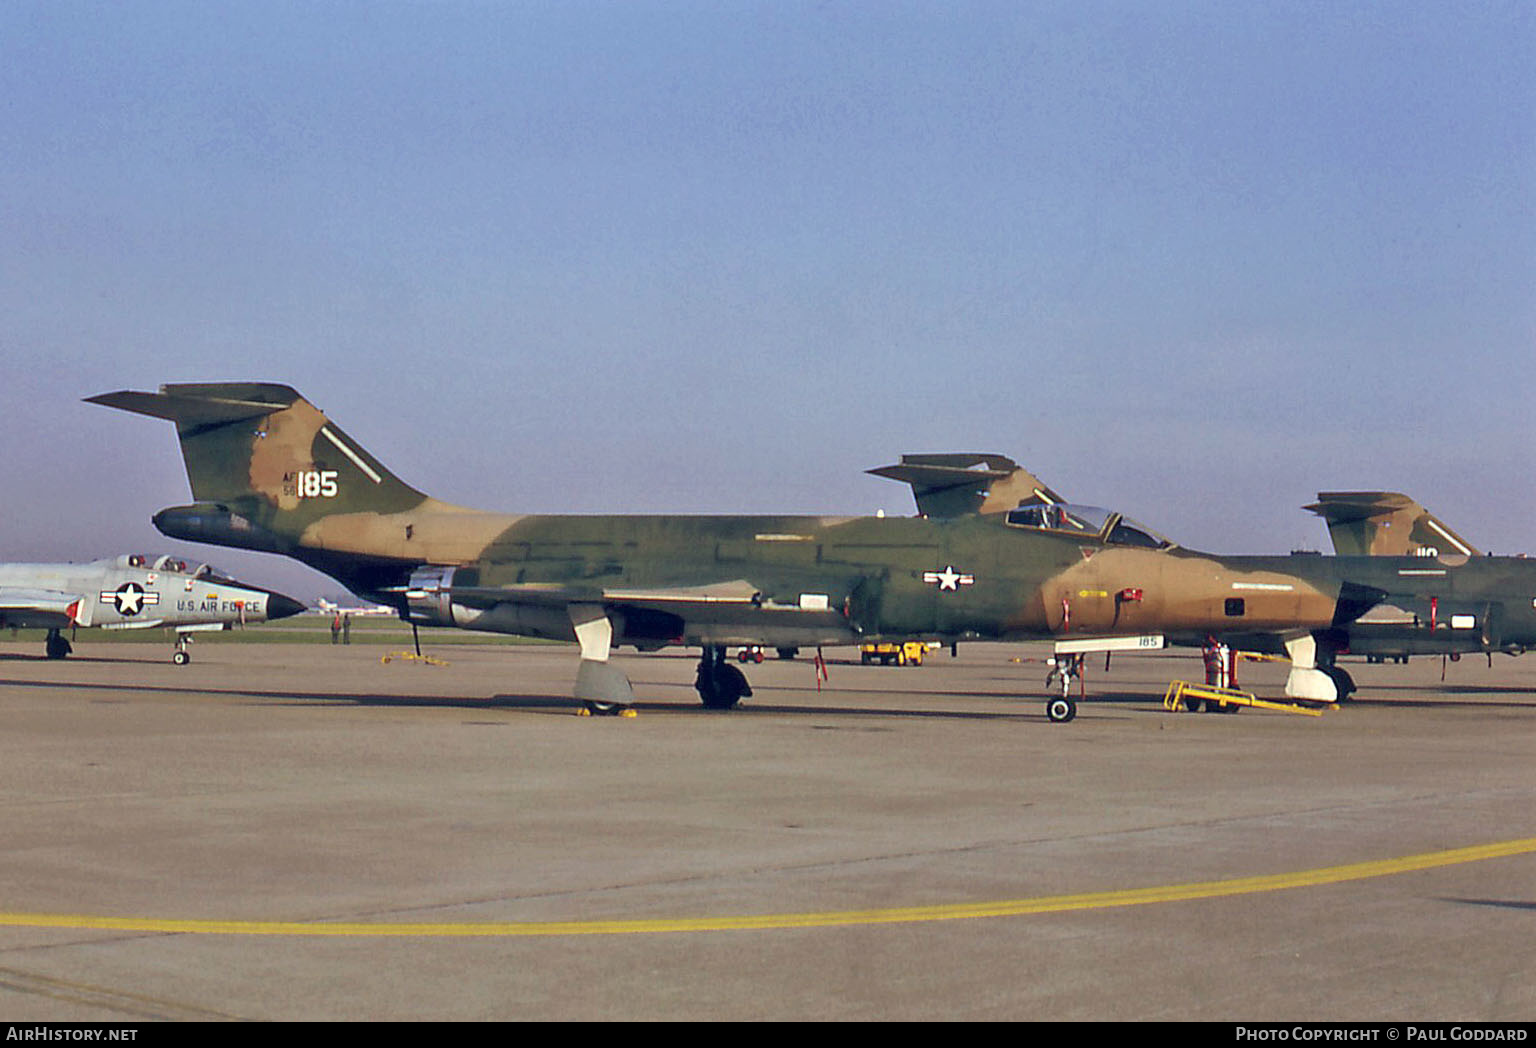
1067,669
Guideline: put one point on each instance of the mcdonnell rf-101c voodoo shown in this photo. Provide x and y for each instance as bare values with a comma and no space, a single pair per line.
1434,607
1385,524
131,592
271,472
1484,610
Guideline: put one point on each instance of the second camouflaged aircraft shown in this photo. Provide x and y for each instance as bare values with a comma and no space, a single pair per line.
1464,601
272,473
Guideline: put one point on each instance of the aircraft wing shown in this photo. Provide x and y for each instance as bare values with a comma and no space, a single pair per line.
735,592
728,612
39,608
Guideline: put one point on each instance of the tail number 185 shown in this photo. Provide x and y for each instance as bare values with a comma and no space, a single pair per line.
315,483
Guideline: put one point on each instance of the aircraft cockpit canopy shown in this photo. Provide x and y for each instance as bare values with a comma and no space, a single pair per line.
173,565
1105,525
209,573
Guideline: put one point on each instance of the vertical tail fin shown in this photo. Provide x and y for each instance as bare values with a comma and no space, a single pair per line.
1385,524
263,452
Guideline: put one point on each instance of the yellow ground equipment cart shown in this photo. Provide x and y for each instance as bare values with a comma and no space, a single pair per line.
909,653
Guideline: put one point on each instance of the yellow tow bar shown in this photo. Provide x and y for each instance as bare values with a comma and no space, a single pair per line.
1182,695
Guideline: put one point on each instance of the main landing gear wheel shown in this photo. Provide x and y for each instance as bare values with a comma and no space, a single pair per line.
55,646
1059,711
605,709
181,658
1343,683
720,685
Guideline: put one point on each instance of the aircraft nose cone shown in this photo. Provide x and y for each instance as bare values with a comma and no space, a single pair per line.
280,607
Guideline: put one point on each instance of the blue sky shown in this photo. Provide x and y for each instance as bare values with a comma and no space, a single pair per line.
1196,261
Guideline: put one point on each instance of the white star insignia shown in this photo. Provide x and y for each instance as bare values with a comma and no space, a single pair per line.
129,598
949,578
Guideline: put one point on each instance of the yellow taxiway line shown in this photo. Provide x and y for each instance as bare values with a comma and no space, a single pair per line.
950,912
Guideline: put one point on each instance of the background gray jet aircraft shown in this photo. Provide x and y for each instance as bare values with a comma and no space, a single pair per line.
130,592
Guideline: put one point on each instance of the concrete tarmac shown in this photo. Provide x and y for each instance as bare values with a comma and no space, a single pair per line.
284,788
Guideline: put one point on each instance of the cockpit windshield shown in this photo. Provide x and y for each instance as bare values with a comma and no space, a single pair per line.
1088,522
1128,532
1057,516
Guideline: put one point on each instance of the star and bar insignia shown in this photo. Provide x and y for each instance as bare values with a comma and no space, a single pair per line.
949,578
129,598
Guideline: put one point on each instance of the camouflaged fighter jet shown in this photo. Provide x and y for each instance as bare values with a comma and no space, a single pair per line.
1385,524
1433,608
272,473
131,592
1493,613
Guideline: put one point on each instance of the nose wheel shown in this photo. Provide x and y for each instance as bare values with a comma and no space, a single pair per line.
1060,710
1066,670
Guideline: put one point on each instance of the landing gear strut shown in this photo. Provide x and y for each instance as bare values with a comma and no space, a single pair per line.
720,685
1314,676
182,656
1067,669
600,685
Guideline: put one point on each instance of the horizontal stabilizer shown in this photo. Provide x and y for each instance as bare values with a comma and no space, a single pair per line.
202,404
964,483
1385,524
